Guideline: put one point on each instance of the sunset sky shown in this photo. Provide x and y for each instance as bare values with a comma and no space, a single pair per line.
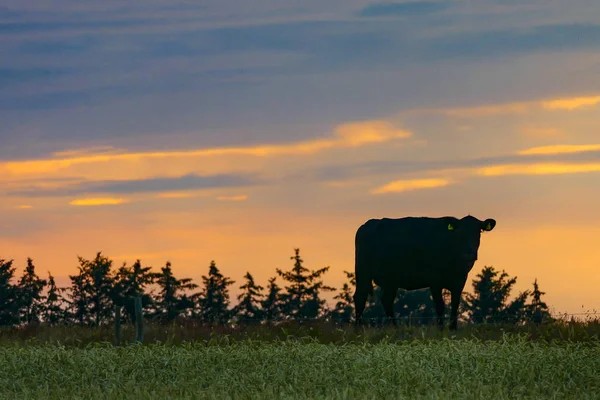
236,131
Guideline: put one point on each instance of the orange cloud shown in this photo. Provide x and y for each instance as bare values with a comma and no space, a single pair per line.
538,169
177,195
489,110
560,149
541,132
351,134
410,184
24,207
232,198
99,201
571,103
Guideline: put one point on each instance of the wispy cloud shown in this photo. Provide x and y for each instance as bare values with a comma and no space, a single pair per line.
560,149
233,198
352,134
24,207
407,8
99,201
177,195
541,132
571,103
489,110
538,169
166,187
411,184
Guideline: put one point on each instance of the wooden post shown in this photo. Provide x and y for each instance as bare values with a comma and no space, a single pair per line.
117,325
139,320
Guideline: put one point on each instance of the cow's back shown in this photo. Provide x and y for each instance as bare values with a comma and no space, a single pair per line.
409,250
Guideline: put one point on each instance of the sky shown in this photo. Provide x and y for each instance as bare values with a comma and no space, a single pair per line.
237,131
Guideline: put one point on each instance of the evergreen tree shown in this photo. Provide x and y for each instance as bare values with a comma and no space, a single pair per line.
9,306
131,282
30,289
53,313
248,310
170,302
302,298
214,297
344,307
538,311
489,302
93,291
79,306
271,305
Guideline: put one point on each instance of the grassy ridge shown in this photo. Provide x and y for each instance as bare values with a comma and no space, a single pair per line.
558,331
467,369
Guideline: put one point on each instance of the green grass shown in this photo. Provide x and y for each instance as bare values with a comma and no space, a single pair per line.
511,367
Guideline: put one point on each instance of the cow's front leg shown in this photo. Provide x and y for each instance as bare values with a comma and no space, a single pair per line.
456,294
438,301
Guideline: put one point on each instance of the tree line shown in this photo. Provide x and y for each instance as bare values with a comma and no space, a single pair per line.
98,287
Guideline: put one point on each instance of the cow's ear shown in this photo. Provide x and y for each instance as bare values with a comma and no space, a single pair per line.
488,224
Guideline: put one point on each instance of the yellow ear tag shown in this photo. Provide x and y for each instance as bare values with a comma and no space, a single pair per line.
450,227
488,227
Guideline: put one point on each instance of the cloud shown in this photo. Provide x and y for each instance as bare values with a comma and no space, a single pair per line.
535,131
409,8
232,198
560,149
571,103
538,169
177,195
99,201
24,207
515,108
528,39
352,134
487,111
411,184
187,182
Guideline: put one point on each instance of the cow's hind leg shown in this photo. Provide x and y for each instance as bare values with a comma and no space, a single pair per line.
438,302
360,300
387,300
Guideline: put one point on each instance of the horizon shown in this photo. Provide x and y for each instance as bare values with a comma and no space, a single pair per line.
176,131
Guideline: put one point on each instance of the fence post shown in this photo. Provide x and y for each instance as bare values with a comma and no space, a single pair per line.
139,320
117,325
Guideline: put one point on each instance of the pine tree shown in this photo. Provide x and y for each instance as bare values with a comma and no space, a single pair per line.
53,313
30,288
9,306
79,305
248,310
302,298
344,307
214,297
170,302
93,291
538,311
489,302
271,305
131,282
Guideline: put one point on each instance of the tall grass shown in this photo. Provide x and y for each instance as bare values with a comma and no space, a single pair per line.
183,332
512,367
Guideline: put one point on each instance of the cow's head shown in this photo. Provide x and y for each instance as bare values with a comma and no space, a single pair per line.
465,235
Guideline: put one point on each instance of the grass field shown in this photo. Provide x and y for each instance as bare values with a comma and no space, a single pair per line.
509,366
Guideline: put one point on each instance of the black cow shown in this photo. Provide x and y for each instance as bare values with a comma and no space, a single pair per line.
415,253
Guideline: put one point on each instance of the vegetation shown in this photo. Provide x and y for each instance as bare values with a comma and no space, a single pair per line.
98,287
448,369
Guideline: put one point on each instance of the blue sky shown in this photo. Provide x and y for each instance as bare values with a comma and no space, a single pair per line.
218,120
